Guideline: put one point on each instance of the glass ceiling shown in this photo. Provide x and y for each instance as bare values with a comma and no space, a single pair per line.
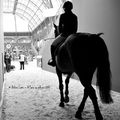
30,10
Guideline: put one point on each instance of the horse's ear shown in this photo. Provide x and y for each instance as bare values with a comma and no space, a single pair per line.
55,26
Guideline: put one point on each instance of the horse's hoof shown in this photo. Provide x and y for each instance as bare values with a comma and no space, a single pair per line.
78,115
61,104
99,118
66,99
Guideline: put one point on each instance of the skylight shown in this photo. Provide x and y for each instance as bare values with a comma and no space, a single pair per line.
32,11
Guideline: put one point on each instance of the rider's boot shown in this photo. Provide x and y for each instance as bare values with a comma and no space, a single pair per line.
51,62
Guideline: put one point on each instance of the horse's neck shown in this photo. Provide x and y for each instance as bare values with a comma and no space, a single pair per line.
56,33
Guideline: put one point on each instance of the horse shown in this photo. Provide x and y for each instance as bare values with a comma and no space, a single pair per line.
83,54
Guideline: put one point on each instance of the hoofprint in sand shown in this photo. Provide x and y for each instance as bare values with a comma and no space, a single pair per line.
33,94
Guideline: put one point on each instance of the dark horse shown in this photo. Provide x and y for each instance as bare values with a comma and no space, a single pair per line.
83,53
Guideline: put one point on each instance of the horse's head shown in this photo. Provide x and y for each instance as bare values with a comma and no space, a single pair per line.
56,31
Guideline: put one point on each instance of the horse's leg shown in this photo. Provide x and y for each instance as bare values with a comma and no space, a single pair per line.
66,87
89,90
82,104
93,97
86,79
59,74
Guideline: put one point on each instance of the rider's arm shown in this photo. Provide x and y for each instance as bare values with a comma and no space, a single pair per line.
61,24
75,25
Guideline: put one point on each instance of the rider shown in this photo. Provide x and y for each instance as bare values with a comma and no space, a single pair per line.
67,25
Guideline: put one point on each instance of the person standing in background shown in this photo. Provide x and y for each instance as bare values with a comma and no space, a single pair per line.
7,61
22,61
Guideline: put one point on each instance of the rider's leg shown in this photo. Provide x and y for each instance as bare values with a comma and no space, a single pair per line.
57,42
52,61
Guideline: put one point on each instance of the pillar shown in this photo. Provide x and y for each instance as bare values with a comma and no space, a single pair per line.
1,50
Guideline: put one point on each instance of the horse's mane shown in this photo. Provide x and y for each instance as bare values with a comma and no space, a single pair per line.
85,33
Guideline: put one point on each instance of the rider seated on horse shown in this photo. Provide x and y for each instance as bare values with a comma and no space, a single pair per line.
67,25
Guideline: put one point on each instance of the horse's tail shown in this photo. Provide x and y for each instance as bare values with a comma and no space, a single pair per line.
104,74
98,34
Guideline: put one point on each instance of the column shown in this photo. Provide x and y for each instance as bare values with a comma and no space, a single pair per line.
1,50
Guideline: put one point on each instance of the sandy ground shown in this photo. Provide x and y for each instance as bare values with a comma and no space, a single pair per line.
33,94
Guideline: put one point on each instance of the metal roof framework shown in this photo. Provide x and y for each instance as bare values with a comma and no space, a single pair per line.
31,10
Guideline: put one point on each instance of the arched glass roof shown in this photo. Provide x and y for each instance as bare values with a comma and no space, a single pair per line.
30,10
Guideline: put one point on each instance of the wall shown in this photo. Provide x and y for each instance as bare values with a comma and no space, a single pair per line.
102,16
46,55
47,39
